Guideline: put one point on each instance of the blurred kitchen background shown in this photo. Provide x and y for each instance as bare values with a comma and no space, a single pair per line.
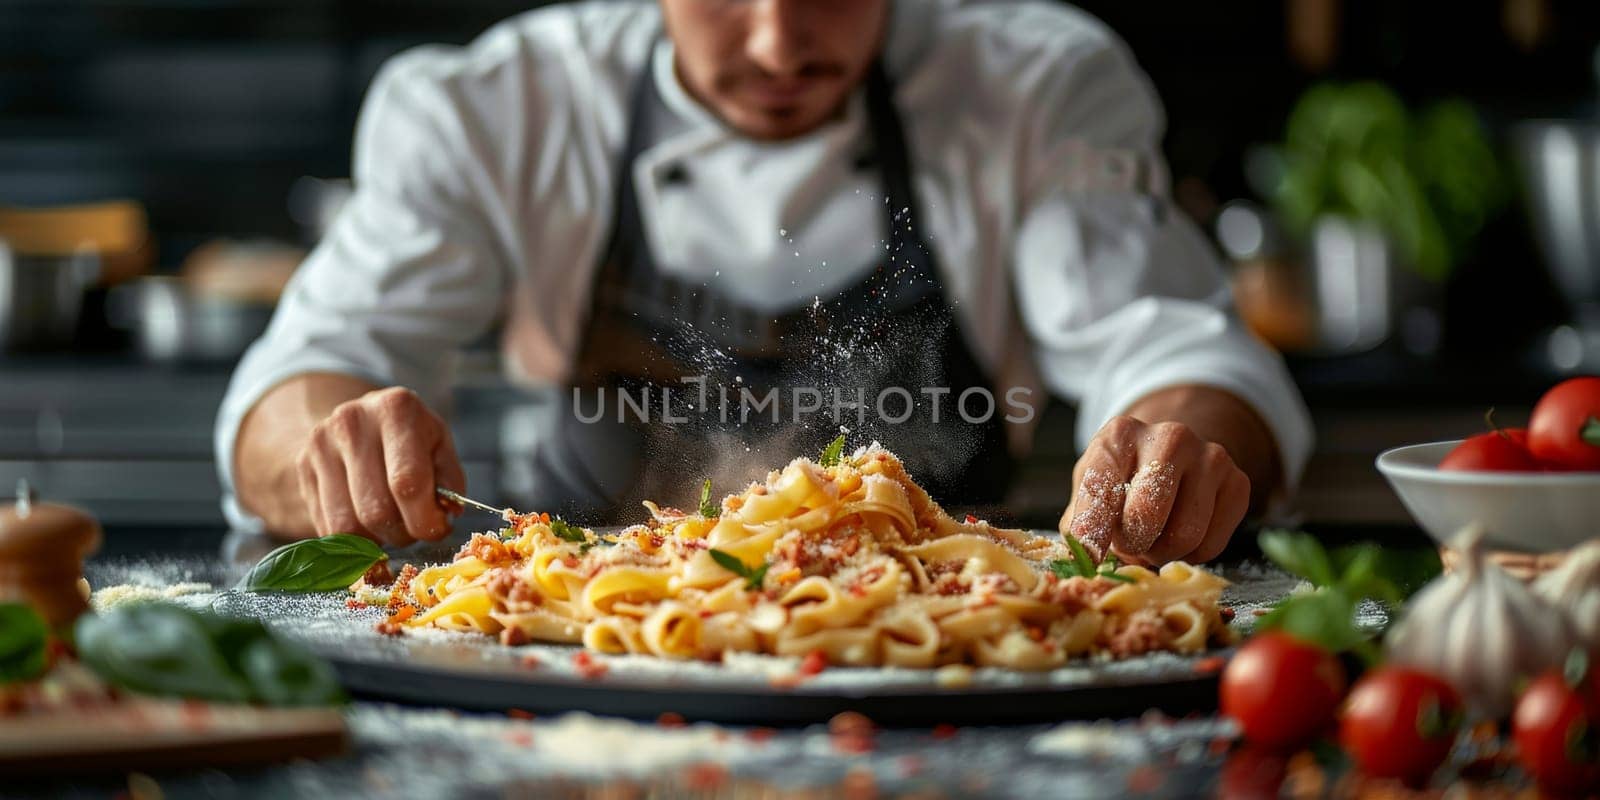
1408,192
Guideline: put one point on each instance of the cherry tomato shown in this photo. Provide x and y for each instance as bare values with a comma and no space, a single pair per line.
1282,691
1564,431
1556,726
1496,451
1400,723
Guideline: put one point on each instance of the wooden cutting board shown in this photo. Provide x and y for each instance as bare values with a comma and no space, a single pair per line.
148,734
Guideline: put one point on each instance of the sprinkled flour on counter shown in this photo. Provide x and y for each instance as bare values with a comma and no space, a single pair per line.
122,594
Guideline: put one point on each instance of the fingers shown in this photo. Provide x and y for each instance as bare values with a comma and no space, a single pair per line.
1155,493
307,475
1167,454
370,469
366,475
1233,502
333,507
1095,515
409,434
1191,513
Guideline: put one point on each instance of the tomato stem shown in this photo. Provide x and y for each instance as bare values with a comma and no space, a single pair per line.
1589,431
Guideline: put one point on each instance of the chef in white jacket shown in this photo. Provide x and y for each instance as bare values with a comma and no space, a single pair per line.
886,208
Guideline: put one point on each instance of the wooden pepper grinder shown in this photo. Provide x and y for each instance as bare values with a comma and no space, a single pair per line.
42,547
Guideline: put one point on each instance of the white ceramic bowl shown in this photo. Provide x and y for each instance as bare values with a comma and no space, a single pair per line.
1530,512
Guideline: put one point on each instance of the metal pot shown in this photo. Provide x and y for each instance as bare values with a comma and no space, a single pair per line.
41,297
173,324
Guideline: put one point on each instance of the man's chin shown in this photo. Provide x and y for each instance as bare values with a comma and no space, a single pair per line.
776,124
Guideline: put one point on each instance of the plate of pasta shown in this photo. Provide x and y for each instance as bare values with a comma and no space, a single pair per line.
829,583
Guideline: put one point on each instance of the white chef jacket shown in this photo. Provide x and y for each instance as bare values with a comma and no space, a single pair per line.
484,182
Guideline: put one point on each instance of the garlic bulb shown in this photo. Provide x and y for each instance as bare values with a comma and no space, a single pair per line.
1480,629
1574,587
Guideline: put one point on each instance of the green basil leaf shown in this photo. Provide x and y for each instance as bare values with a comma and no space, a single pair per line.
24,642
1119,577
1325,617
1064,569
1299,553
708,508
160,649
832,453
756,577
565,531
1080,554
313,565
730,562
1397,573
283,674
165,649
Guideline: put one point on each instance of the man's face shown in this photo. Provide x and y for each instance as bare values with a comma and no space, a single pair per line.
773,69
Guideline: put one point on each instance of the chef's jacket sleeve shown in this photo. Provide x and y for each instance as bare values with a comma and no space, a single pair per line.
1119,291
406,275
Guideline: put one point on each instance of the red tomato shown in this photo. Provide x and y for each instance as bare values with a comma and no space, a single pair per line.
1564,431
1557,730
1496,451
1400,723
1281,691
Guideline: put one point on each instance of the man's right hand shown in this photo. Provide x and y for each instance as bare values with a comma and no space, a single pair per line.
370,469
323,453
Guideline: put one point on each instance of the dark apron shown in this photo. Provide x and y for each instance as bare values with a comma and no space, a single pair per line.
648,330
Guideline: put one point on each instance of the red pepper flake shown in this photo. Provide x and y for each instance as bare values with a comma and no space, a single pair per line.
851,732
388,628
944,730
402,584
815,661
354,604
378,574
785,681
971,520
519,713
704,776
858,784
671,719
195,713
1206,666
587,666
760,735
852,723
519,737
1261,612
853,745
530,661
1226,612
1144,779
706,612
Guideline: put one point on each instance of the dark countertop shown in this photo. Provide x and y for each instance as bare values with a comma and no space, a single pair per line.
400,751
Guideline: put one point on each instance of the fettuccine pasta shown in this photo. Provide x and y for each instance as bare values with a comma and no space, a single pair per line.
852,561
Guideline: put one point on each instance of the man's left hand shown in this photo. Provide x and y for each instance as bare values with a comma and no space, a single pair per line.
1155,492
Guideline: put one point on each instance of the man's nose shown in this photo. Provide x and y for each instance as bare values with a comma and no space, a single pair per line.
778,40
